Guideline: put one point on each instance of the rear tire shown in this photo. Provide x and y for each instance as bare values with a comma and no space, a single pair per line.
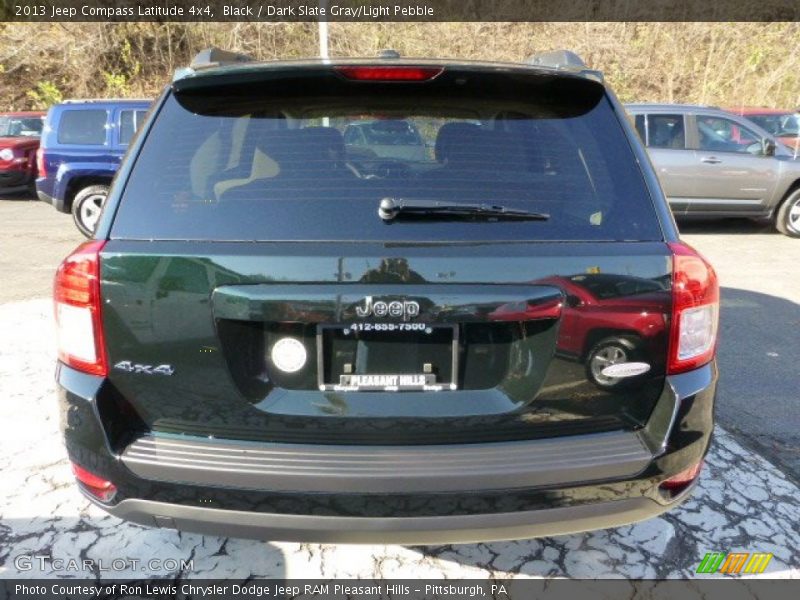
787,221
86,208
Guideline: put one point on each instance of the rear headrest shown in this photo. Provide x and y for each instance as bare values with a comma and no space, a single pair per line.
326,139
454,139
471,146
504,151
313,148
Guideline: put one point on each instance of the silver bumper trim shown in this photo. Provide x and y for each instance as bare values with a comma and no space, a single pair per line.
389,469
384,530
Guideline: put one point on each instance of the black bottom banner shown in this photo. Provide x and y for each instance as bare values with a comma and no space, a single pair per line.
398,589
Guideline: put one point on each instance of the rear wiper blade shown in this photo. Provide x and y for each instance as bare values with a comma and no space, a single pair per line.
391,208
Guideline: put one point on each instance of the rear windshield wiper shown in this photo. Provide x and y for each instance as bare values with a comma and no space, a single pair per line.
392,208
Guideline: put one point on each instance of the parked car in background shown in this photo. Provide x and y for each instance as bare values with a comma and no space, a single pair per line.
19,141
263,340
82,147
783,124
385,138
712,163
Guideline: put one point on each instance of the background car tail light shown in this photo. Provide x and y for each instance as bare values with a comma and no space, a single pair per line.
100,488
77,307
384,73
695,310
40,164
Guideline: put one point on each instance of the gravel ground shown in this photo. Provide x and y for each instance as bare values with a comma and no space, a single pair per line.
743,502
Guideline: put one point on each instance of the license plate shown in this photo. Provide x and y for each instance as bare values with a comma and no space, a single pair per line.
387,357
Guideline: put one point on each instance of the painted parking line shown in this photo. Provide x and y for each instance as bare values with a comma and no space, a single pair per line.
742,504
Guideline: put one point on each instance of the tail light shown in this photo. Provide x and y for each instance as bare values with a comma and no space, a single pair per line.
695,310
41,167
389,73
100,488
77,306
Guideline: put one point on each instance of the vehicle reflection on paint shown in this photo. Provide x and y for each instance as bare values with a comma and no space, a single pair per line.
606,319
156,291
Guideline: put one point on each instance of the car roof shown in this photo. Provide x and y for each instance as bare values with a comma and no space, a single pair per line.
104,102
756,110
654,106
22,113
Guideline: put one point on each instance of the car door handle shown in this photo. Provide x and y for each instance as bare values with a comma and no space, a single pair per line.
711,160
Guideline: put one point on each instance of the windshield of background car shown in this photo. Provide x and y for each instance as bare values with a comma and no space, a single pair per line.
392,132
605,287
785,125
20,126
263,157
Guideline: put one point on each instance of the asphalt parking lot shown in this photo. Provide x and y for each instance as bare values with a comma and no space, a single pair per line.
748,498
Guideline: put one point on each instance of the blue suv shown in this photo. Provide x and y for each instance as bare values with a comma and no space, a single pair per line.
82,147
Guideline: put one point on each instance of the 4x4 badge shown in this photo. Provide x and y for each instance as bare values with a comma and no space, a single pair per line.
407,309
130,367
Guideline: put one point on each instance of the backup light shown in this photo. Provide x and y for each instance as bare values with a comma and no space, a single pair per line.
77,306
695,310
289,355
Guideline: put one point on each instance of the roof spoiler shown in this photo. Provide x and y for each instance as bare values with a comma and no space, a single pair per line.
564,60
212,57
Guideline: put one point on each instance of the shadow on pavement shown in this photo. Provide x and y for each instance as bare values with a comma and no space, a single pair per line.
725,226
757,397
18,196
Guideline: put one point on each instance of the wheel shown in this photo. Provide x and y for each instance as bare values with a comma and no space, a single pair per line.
609,351
787,221
86,208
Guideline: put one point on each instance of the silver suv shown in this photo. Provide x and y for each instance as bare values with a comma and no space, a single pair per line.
712,163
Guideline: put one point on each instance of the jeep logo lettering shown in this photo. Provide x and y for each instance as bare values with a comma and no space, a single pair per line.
406,309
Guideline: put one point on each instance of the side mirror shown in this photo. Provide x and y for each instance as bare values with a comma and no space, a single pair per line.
768,147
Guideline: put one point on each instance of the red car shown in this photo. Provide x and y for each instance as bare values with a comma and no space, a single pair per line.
783,124
19,141
606,319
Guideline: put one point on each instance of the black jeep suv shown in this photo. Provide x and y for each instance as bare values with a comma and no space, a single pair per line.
272,337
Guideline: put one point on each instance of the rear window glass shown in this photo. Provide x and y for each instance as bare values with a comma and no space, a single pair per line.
14,126
781,125
82,127
311,159
129,122
666,131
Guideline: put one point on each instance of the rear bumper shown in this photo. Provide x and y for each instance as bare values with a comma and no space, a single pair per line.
399,530
425,469
15,178
399,494
44,197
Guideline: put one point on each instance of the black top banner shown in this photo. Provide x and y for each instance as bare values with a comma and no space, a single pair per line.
266,11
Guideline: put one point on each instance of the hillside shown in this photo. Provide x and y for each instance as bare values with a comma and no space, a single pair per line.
709,63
